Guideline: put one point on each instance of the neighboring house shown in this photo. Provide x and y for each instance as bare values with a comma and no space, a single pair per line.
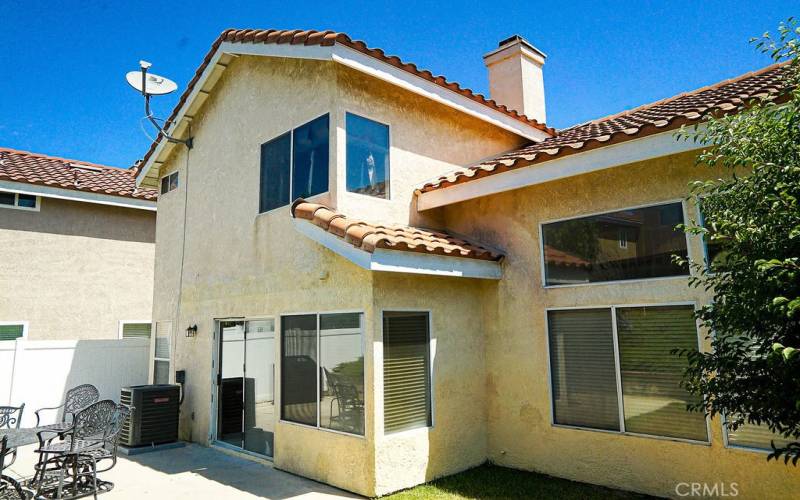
77,243
362,325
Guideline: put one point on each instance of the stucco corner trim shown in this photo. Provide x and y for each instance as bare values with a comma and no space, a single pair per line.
401,261
646,148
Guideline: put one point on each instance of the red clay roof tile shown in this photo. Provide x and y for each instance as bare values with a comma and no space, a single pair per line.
328,38
667,114
40,169
369,237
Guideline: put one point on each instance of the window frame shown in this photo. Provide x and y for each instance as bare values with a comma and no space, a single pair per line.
291,168
279,353
24,325
432,358
168,178
153,358
543,262
613,311
388,125
124,322
16,206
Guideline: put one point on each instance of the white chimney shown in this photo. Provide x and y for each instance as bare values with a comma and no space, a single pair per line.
515,77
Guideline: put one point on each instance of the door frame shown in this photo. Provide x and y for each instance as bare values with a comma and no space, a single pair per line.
213,432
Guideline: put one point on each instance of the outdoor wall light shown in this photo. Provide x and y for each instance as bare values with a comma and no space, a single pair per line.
191,331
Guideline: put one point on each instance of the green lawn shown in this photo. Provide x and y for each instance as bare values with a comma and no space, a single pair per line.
491,481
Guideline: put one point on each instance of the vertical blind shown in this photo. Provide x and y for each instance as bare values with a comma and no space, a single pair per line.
10,332
589,379
583,374
406,372
653,399
135,330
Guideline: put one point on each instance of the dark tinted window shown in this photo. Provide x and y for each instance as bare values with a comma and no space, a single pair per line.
310,157
26,200
367,156
299,369
275,164
629,244
6,198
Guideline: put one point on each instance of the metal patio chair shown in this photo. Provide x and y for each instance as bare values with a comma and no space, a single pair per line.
62,466
10,418
75,400
350,404
108,452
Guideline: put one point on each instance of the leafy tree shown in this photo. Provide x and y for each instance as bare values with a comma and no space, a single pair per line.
752,217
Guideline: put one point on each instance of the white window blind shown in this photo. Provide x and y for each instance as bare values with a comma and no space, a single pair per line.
162,352
612,368
406,371
756,436
584,377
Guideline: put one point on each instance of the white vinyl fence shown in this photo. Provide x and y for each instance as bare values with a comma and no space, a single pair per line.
39,372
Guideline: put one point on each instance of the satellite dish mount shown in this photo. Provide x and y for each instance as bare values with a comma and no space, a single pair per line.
149,84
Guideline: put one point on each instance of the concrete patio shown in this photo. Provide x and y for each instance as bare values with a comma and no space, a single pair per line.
194,473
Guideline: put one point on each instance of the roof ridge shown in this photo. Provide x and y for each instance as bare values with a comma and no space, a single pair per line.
4,149
665,100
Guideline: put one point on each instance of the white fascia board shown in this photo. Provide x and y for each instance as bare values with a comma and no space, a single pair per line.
635,150
421,86
360,62
400,261
83,196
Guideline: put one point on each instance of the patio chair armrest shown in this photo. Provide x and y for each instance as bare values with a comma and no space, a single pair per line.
38,422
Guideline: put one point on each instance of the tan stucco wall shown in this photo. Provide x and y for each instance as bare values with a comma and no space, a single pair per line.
73,270
518,394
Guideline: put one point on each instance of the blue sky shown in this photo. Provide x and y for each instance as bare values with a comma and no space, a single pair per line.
62,64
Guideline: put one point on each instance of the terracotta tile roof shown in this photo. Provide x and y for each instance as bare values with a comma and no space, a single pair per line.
562,258
667,114
328,38
368,237
40,169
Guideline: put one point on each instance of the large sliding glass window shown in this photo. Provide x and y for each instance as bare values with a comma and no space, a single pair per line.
295,165
322,371
629,244
367,156
406,371
612,368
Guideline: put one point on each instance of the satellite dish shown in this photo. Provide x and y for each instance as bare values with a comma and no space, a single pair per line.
153,84
149,85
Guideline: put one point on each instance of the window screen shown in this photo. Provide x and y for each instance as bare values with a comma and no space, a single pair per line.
583,373
299,369
310,158
653,399
367,156
406,371
135,330
629,244
275,166
11,332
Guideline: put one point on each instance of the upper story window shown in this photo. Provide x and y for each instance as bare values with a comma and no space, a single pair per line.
294,165
629,244
18,200
169,182
367,156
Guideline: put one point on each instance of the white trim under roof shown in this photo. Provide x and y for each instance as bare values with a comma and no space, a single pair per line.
354,59
653,146
84,196
399,261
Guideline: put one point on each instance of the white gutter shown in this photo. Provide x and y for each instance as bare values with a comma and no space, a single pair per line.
82,196
401,261
635,150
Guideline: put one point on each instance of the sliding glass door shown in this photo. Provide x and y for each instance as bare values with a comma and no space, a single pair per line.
246,384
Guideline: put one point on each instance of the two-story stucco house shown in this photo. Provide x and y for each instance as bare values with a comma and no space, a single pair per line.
77,243
375,277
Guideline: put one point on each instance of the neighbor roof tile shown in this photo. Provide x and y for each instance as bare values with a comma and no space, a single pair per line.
40,169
